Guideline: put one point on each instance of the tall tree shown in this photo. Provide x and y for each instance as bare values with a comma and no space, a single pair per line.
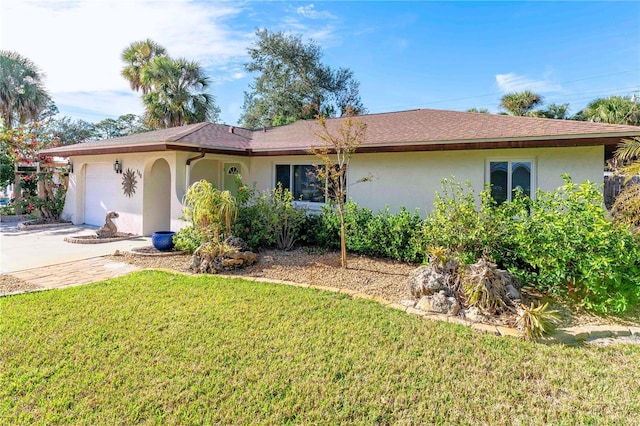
559,112
478,110
292,83
22,92
137,56
124,125
520,103
612,110
174,91
178,94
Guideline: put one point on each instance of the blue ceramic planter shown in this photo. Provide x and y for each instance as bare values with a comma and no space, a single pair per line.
163,240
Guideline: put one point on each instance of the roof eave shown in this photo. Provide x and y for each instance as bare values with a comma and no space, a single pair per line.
472,144
128,149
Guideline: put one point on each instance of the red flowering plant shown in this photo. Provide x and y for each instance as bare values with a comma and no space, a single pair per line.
41,188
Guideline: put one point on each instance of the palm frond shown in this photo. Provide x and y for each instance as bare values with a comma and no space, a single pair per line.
628,149
626,208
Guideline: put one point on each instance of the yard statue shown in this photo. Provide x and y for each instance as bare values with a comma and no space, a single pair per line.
109,229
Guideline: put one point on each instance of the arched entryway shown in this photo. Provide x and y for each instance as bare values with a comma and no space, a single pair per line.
157,198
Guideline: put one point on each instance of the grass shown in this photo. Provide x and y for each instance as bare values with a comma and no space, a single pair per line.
158,348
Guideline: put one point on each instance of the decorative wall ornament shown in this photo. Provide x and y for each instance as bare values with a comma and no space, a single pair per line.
129,183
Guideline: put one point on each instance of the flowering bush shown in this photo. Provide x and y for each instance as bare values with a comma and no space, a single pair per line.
39,194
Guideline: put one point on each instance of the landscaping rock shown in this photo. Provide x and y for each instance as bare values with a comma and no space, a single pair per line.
474,314
408,303
426,280
424,303
444,304
237,242
211,259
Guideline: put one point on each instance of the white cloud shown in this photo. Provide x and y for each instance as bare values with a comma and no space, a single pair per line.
511,82
94,106
310,12
78,44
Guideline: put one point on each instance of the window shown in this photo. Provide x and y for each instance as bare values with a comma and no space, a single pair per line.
301,180
507,176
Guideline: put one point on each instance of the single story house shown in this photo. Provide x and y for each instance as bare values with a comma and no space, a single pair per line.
144,176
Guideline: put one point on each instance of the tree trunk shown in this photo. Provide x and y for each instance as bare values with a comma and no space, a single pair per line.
17,188
343,240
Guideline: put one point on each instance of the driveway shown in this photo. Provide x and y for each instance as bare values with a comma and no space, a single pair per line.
28,249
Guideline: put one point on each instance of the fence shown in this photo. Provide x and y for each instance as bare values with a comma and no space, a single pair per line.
613,185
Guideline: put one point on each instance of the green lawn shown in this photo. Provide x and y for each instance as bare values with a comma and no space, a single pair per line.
157,348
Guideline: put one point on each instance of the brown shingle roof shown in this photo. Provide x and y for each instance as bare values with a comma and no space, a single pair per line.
415,129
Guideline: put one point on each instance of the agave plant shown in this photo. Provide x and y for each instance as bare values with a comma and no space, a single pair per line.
535,321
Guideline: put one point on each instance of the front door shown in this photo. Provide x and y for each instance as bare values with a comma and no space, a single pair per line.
231,170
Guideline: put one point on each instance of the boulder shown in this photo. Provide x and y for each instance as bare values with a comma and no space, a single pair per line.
424,303
237,243
426,280
211,258
408,303
474,314
444,304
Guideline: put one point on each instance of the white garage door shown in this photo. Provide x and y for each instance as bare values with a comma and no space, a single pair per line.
101,187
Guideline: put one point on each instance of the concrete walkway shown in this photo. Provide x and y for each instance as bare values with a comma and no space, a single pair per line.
44,260
35,248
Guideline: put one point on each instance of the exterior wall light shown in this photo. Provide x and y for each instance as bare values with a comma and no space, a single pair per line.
69,166
117,166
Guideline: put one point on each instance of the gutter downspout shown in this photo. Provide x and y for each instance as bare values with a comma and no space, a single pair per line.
188,164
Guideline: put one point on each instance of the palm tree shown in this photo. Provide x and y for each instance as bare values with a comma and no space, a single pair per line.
178,93
612,110
558,112
137,56
478,110
520,103
22,92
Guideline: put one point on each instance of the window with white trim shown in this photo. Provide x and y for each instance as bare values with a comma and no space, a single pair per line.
506,176
302,181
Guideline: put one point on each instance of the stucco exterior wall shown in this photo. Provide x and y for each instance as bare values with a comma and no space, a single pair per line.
131,209
411,179
408,179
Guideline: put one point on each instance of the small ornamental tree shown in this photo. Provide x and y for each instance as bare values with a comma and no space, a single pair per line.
210,209
339,145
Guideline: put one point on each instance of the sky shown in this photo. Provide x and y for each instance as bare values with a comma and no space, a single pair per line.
406,55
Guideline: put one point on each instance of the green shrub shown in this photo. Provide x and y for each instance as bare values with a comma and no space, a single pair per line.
323,230
269,219
188,239
285,220
565,245
382,234
467,229
560,242
252,223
